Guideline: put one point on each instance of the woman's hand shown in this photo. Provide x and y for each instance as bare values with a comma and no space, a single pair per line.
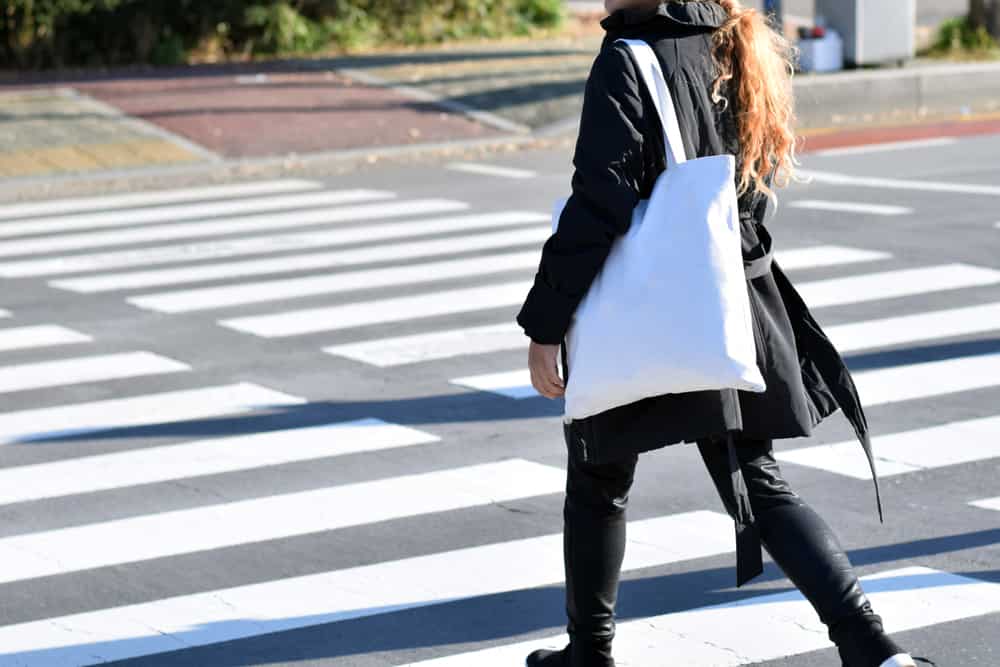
542,361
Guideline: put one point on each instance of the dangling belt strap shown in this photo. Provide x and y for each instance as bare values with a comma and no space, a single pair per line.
748,547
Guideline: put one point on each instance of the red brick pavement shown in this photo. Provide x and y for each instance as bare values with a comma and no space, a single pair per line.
248,115
842,137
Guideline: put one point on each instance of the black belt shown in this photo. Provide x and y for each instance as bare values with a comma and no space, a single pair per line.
759,266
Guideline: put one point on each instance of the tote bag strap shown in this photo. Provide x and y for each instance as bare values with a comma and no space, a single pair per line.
649,67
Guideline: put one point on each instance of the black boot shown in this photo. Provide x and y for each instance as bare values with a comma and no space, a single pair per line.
593,550
568,656
809,553
546,657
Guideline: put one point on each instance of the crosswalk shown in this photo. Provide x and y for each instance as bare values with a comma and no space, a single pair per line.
390,283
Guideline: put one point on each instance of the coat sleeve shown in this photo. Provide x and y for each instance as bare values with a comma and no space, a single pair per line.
609,174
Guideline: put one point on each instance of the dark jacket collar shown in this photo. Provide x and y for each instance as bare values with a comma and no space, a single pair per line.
703,13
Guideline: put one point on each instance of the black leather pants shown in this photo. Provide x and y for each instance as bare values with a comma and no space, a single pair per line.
795,536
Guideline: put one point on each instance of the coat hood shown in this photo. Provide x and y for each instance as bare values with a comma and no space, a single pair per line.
695,13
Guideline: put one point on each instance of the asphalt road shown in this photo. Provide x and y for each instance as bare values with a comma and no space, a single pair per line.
290,424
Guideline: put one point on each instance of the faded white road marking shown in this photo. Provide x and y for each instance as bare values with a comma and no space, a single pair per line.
850,207
491,170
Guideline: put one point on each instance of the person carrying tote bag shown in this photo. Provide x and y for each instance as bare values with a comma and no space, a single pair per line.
728,75
671,296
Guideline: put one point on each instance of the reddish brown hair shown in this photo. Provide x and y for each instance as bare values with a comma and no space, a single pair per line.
765,115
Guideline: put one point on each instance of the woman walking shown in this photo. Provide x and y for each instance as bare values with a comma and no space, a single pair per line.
729,75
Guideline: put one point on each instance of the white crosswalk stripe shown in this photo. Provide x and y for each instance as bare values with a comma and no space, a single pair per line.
108,282
988,503
907,451
447,302
248,611
244,522
850,207
892,284
146,410
203,211
930,378
203,457
907,598
812,257
221,227
38,375
491,170
920,327
4,313
512,384
153,198
41,335
387,352
210,298
221,248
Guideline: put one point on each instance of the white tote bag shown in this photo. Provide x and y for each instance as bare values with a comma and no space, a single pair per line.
669,311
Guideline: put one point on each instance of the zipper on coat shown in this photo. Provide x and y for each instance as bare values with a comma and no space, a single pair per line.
574,426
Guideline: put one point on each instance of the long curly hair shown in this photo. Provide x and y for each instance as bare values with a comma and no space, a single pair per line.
760,62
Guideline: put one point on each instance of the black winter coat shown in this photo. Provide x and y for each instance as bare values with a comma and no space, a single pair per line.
618,156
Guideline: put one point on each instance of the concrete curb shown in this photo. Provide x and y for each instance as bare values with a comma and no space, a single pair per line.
139,125
843,99
158,177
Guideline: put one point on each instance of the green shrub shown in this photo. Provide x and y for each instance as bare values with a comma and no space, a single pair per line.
40,33
958,35
281,29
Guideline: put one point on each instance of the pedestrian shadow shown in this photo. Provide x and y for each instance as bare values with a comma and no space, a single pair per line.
436,624
459,408
471,407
